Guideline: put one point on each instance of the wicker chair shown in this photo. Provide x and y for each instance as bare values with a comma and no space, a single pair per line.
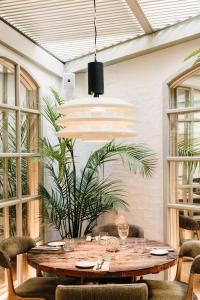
38,288
103,292
177,290
111,228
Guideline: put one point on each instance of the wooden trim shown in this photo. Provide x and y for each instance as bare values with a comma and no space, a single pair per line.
183,158
178,270
10,65
178,80
184,110
2,155
189,295
184,206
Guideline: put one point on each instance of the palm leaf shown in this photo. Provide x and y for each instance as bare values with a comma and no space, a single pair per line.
193,54
79,197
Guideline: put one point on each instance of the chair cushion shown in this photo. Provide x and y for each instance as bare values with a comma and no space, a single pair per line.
167,290
190,248
16,245
43,287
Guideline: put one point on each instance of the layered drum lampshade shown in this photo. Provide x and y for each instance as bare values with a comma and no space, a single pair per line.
96,119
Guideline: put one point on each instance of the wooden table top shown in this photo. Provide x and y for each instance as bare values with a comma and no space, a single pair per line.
127,263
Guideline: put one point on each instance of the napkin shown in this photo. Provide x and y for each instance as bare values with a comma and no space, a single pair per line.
105,267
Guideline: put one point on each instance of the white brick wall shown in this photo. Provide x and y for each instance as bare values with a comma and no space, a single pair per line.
140,81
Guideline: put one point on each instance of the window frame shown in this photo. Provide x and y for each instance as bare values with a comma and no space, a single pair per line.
18,155
171,209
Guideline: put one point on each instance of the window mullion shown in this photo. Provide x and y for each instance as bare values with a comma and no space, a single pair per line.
18,172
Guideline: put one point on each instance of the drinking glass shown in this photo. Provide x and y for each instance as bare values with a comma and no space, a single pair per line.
69,244
123,230
103,236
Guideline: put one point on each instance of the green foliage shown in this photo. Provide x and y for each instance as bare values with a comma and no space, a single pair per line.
196,54
190,147
78,197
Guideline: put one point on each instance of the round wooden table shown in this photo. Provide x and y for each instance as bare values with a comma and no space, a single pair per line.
127,262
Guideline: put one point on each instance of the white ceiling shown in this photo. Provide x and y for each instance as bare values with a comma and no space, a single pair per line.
65,27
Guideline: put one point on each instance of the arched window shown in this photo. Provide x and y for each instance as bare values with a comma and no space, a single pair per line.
19,168
184,157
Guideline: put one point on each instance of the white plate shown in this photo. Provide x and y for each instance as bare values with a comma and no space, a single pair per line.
56,244
104,237
85,264
159,252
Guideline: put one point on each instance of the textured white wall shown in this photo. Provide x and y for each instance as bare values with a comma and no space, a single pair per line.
140,81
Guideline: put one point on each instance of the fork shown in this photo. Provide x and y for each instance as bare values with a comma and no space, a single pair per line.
99,265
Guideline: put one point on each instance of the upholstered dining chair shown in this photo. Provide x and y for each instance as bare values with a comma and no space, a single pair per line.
103,292
111,228
38,288
177,290
188,223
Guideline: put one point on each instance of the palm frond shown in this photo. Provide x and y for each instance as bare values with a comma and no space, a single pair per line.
139,158
189,148
193,54
79,197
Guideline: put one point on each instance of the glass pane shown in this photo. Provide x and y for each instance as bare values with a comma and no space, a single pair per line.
10,166
188,224
7,82
32,217
1,179
187,96
185,182
196,98
1,224
29,132
8,186
185,134
25,177
25,228
12,221
28,91
7,131
2,278
183,98
30,178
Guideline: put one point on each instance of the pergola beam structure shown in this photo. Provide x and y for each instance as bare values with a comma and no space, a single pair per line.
173,35
139,14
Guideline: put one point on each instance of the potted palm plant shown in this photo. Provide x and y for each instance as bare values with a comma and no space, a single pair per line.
79,196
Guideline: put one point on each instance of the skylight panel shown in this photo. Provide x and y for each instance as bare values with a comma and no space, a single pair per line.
162,13
65,28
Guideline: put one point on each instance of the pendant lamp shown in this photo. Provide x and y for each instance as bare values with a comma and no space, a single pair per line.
96,118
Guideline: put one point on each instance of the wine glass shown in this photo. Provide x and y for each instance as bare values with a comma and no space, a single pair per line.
123,230
103,236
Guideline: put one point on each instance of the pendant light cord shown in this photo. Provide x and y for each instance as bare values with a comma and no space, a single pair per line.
95,32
